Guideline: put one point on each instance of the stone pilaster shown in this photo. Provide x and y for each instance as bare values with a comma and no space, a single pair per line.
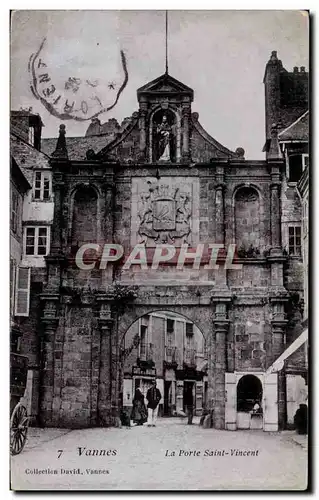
56,229
275,217
210,370
220,213
142,127
108,222
278,324
49,326
108,212
105,404
221,326
59,163
186,114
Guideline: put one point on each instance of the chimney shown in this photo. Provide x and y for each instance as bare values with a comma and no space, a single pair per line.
296,69
272,91
302,69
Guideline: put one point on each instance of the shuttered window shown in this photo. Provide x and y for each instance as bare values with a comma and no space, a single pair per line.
12,284
189,330
170,331
22,297
14,210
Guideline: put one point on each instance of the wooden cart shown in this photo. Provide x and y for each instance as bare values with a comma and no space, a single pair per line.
19,420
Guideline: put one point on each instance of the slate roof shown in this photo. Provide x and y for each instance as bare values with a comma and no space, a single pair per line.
297,131
78,146
27,157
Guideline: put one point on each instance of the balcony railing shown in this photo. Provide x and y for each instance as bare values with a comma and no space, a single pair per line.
146,352
170,354
190,357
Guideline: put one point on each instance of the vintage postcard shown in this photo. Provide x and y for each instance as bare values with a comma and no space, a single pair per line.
159,250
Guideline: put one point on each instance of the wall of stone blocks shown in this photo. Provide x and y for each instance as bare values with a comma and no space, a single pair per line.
130,360
251,276
30,326
81,278
158,343
77,368
250,331
293,275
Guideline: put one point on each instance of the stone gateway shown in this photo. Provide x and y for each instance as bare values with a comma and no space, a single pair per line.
162,179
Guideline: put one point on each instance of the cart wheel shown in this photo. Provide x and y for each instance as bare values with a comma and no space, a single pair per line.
18,429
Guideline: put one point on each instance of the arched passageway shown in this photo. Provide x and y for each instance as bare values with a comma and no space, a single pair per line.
169,348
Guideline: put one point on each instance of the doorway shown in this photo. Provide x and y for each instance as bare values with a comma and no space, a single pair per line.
188,395
167,398
249,403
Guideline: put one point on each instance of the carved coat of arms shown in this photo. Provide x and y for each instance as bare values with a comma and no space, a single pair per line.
164,214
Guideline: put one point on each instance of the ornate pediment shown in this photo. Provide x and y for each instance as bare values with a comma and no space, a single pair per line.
165,84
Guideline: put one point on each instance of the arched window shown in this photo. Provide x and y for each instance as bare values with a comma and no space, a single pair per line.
247,218
84,219
249,392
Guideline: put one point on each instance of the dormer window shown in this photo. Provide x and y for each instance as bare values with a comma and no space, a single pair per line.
305,161
31,136
42,186
295,167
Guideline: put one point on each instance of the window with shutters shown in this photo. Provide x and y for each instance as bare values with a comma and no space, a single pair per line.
14,210
12,283
42,186
170,332
22,294
143,342
294,240
36,240
189,330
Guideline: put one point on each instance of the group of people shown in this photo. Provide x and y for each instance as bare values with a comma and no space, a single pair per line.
140,415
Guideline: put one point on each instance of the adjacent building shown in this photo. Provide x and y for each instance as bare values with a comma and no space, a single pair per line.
287,109
31,219
19,277
172,350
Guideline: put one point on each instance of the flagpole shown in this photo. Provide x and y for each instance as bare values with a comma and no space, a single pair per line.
166,54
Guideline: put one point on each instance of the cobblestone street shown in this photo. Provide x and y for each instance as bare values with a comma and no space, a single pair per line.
145,459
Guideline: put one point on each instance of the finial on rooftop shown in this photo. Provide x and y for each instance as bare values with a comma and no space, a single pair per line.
274,152
61,149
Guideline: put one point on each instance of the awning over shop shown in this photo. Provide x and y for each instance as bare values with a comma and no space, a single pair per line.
279,363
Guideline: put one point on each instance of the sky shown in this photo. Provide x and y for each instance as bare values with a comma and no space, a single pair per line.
221,55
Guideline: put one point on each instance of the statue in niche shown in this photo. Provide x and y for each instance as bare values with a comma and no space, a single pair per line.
164,141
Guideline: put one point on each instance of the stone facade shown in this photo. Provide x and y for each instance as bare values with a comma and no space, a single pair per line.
131,191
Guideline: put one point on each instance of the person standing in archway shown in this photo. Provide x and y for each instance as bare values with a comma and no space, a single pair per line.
139,413
189,404
153,397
